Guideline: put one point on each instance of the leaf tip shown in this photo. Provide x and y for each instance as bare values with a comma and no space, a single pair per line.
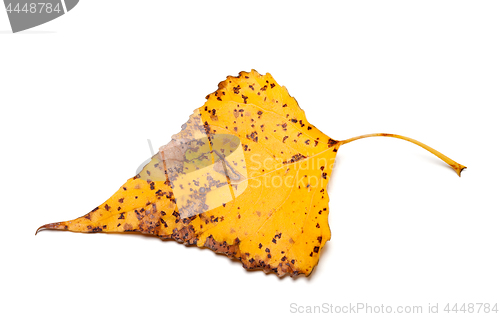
51,226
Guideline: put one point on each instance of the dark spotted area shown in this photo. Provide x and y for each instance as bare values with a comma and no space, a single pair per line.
253,136
332,142
297,157
186,235
152,221
236,89
285,267
231,250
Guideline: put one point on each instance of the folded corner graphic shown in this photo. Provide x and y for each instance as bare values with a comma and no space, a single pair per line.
26,14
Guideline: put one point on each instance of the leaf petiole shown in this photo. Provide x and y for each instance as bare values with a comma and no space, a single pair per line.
456,166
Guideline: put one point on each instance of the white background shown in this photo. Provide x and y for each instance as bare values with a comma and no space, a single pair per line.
81,95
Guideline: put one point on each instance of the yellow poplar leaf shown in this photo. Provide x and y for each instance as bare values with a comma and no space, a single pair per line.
246,176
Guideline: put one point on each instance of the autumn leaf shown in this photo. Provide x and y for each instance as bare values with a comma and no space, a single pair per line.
246,176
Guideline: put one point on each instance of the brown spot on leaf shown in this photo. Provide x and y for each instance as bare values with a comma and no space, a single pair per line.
127,227
332,142
297,157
